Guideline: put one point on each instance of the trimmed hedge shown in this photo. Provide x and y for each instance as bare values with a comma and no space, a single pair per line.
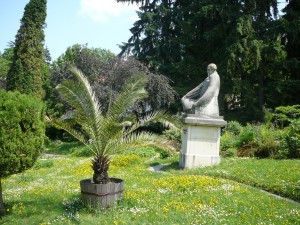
22,131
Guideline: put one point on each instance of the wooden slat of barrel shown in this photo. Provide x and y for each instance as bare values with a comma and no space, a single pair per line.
102,195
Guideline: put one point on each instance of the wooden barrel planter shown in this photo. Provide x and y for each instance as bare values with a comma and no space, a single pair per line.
101,195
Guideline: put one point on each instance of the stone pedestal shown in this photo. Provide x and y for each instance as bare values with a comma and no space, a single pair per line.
200,141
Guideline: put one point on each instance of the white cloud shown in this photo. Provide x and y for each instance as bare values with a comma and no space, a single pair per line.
102,10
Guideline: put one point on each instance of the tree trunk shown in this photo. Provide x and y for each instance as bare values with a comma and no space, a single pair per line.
261,98
2,209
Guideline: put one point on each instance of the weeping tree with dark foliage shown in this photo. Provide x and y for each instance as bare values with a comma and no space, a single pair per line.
22,131
29,72
116,72
107,74
106,132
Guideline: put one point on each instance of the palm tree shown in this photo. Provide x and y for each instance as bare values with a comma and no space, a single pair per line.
105,134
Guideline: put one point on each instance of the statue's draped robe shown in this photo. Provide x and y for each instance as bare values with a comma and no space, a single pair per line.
203,99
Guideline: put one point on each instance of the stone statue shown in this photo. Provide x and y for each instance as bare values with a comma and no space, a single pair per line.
203,99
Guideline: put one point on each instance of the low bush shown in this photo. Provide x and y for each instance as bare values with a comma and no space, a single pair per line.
267,140
173,135
252,141
230,152
166,152
283,115
233,127
290,144
246,136
237,137
228,140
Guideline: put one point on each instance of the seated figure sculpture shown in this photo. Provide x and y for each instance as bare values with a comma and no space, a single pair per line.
203,99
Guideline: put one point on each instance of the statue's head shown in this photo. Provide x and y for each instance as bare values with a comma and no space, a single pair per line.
211,68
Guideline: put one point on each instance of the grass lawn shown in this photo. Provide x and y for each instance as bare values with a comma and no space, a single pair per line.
281,177
49,193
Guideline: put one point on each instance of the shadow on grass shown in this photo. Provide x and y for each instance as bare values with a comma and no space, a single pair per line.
172,166
154,163
43,209
166,166
63,148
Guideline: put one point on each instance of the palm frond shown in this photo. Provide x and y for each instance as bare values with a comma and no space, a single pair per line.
163,117
65,126
112,126
87,92
133,90
70,116
131,141
81,96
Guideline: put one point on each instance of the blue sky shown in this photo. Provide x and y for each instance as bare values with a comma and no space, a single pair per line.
99,23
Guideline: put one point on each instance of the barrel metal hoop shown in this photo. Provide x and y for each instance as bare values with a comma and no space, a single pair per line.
102,194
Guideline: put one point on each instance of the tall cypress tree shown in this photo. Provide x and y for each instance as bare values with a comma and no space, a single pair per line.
28,71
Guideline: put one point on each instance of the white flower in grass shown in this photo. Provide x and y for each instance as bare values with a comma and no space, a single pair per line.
227,187
135,210
162,190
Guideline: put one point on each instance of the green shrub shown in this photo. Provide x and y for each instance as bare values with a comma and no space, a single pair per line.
290,144
233,127
250,141
246,136
268,116
283,115
267,141
173,135
22,130
230,152
235,136
228,140
166,152
293,139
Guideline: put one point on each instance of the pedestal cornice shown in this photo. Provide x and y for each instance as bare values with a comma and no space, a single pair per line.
204,120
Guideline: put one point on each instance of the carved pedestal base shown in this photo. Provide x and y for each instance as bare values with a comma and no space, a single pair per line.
200,141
